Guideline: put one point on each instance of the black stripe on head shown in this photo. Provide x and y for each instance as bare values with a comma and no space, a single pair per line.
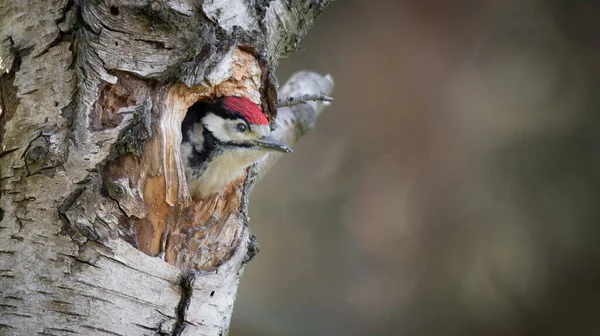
219,109
231,144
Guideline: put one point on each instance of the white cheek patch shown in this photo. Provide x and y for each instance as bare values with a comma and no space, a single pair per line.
218,126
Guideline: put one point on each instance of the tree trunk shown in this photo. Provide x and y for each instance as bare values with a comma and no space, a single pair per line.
98,234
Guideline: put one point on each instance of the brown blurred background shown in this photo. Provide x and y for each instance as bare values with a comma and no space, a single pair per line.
453,188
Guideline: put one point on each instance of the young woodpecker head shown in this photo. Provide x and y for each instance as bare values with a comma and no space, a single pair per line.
220,140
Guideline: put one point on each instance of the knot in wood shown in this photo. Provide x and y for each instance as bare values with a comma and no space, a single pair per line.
115,189
155,6
37,154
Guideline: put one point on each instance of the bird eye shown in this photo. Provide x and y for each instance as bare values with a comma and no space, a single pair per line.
241,128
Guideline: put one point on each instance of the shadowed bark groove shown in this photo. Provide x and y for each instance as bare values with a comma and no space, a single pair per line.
98,234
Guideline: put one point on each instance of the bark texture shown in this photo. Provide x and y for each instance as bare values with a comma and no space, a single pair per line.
98,234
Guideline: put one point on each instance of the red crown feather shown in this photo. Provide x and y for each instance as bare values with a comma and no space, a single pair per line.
246,108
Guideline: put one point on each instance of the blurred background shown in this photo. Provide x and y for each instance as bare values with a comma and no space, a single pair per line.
453,188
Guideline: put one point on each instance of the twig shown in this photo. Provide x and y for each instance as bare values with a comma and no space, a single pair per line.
293,101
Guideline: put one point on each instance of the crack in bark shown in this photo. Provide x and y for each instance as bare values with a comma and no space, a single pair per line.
156,43
102,330
60,37
6,326
8,151
165,234
64,330
187,290
76,259
67,228
148,328
66,9
65,36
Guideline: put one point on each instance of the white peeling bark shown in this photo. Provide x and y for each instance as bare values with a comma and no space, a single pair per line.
98,235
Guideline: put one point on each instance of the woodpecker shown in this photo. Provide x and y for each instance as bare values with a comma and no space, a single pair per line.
220,140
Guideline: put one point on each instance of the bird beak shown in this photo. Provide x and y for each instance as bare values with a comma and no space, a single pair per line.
272,144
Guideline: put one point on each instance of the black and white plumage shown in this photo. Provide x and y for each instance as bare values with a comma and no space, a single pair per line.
220,140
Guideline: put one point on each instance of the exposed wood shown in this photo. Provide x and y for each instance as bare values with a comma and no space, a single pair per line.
98,234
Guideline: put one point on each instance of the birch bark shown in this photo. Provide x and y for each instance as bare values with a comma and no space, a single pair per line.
98,235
